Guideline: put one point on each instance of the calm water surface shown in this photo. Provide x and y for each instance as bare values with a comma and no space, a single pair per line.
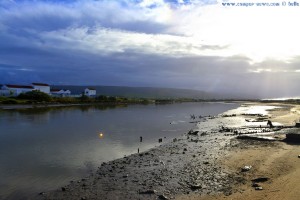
43,149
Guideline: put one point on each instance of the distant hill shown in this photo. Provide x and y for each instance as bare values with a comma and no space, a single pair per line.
144,92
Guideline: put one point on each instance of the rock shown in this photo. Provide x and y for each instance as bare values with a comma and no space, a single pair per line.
298,156
63,189
185,149
163,197
83,198
261,179
148,192
42,193
191,132
203,134
205,163
255,185
246,168
258,188
195,187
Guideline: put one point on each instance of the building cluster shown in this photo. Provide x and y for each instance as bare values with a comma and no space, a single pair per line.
15,90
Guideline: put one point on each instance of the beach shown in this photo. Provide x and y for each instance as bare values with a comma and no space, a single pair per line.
278,161
204,163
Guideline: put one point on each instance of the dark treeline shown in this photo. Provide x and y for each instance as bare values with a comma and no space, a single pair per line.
36,97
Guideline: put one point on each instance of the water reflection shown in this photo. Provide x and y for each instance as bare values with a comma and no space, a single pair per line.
101,135
43,148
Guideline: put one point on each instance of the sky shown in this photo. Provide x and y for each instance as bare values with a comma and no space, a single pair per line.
194,44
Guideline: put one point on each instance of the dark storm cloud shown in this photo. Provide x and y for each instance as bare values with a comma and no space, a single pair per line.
120,43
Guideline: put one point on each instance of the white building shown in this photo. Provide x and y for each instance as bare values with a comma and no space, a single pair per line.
3,92
42,87
60,92
15,90
90,92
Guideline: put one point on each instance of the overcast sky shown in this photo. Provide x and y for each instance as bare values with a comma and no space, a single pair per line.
193,44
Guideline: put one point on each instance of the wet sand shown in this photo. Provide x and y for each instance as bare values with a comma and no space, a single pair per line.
203,164
278,161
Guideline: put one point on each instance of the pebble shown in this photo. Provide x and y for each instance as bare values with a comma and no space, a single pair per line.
163,197
148,192
261,179
196,187
258,188
255,185
246,168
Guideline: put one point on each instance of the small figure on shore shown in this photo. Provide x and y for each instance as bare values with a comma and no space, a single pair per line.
270,124
141,139
138,150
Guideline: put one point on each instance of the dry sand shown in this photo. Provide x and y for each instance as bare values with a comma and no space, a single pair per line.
276,160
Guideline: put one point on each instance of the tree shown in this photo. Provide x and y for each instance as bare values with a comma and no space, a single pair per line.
35,95
84,97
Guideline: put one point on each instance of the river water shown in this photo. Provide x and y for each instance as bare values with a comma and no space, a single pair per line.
42,149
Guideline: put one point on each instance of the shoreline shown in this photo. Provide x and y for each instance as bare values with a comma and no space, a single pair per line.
151,102
190,167
278,161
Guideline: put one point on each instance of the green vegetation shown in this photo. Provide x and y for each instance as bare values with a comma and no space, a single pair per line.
10,100
35,95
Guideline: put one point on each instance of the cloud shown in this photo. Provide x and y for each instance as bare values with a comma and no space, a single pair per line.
178,43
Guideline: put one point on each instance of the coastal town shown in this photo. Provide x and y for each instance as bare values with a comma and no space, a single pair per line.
12,90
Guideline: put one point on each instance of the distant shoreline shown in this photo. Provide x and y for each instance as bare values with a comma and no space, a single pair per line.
45,105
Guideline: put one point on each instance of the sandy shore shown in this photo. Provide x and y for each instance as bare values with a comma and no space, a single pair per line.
278,161
203,164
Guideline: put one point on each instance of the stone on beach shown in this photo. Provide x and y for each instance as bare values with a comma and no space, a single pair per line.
246,168
258,188
255,185
195,187
148,192
192,132
163,197
260,179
